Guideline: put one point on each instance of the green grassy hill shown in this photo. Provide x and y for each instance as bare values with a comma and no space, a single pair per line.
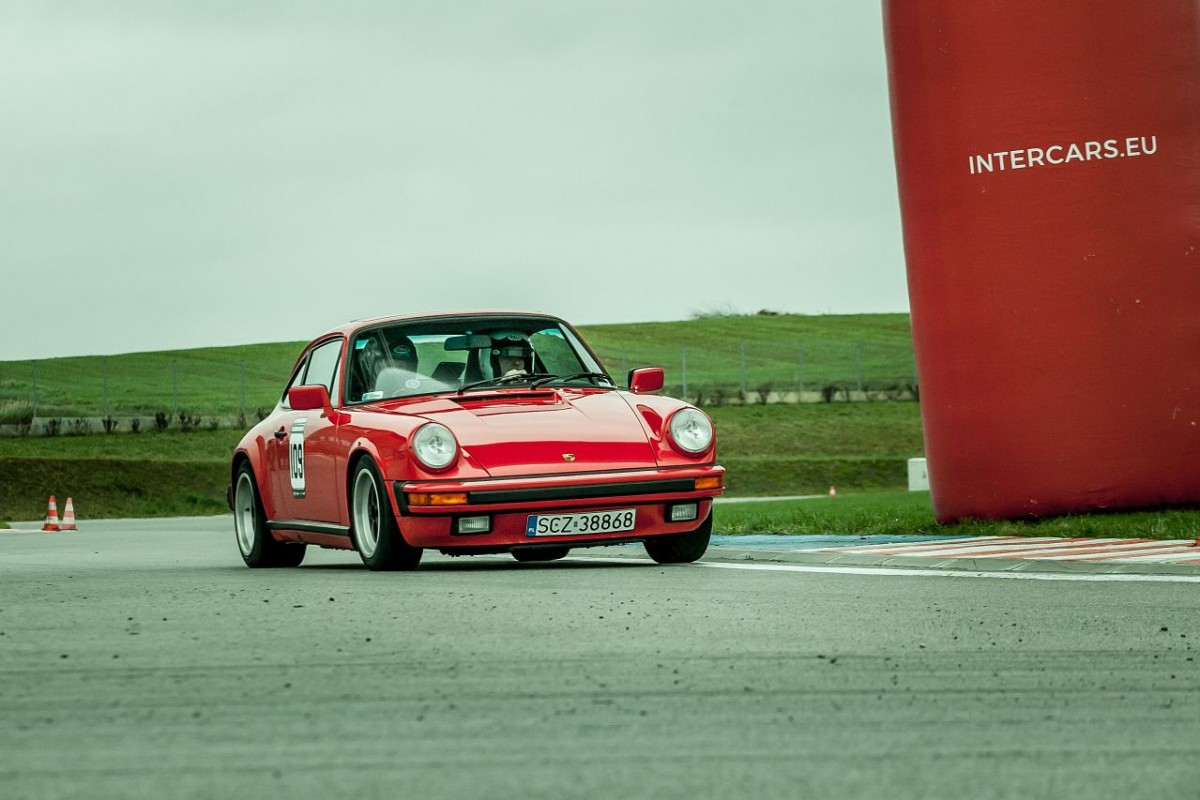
715,356
206,381
783,351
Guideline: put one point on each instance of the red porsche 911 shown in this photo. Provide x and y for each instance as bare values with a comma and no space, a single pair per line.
470,433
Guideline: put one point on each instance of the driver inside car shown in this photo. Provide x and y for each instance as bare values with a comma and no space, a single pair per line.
511,354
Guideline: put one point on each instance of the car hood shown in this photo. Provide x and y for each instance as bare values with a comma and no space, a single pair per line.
532,432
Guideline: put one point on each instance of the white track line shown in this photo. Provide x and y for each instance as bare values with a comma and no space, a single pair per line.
922,573
1050,549
723,500
940,544
1191,556
1016,544
1122,553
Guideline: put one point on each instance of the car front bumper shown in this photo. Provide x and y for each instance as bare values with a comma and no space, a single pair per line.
508,504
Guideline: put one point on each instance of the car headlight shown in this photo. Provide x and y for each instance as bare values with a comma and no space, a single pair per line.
434,445
691,431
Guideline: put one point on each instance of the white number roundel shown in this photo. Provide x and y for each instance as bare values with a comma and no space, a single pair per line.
296,456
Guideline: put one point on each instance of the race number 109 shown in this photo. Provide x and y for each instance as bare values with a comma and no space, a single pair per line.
574,524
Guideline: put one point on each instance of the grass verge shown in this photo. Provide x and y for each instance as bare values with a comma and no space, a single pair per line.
911,513
777,352
202,445
107,488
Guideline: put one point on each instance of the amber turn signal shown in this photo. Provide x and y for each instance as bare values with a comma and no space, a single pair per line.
429,499
709,483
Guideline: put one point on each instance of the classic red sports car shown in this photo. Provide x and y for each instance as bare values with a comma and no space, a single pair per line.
470,433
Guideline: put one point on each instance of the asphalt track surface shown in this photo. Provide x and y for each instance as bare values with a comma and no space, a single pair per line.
141,659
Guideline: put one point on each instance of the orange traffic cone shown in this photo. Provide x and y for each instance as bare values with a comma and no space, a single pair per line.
68,522
833,491
51,516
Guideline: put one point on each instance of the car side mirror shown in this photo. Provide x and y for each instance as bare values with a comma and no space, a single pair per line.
309,398
646,379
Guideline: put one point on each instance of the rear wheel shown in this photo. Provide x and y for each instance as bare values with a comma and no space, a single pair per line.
255,543
541,554
373,525
680,548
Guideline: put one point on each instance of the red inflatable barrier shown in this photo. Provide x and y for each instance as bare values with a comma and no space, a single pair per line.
1048,159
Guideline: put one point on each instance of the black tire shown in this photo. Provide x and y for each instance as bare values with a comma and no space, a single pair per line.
680,548
541,554
256,544
373,525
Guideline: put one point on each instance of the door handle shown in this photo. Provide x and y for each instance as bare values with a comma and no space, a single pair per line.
279,434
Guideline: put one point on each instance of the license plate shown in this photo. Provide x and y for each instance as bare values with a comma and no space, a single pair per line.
621,519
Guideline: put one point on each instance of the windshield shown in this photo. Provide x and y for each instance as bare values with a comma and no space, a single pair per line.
466,354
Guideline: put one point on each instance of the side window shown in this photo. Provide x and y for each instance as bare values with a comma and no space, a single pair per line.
295,381
322,365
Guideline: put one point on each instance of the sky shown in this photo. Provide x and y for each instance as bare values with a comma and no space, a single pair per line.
191,174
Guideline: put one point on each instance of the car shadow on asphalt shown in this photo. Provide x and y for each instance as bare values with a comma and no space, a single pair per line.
473,564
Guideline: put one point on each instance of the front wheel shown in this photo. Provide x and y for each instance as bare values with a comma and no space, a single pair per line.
255,543
373,525
680,548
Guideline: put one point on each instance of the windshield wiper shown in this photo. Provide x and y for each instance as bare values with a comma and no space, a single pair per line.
576,376
524,376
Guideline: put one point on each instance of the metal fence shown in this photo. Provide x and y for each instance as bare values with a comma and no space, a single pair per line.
135,392
202,390
756,372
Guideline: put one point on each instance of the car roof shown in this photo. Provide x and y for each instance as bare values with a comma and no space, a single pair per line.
355,325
